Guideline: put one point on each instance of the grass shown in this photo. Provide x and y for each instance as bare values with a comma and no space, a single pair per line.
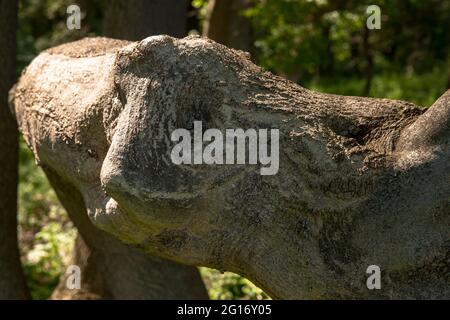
46,234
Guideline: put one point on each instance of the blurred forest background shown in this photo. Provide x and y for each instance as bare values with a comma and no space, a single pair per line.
320,44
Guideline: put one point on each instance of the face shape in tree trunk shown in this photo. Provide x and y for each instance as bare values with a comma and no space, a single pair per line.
361,181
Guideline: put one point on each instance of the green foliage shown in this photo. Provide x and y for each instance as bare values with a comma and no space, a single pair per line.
45,262
288,36
422,89
201,8
45,233
230,286
309,39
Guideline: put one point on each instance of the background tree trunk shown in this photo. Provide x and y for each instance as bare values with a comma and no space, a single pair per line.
139,19
12,280
226,25
368,62
448,71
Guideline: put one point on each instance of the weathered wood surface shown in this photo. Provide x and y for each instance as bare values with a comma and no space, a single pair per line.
361,181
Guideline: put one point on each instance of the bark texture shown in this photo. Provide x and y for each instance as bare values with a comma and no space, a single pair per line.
109,269
12,280
138,19
130,20
112,270
361,181
225,24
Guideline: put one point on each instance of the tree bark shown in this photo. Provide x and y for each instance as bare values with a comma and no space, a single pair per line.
130,20
361,181
138,19
12,280
111,270
225,24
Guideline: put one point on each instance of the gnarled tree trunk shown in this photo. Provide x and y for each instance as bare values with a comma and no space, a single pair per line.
361,181
109,270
